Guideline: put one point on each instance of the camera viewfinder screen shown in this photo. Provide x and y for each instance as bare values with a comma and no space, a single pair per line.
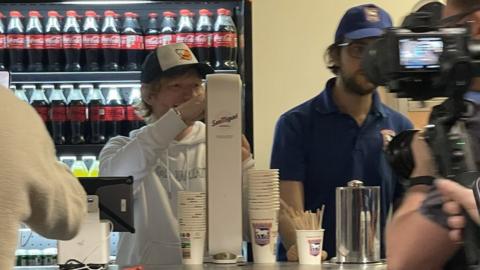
420,53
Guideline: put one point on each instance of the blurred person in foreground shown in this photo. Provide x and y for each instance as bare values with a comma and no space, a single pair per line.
338,135
36,189
165,156
418,235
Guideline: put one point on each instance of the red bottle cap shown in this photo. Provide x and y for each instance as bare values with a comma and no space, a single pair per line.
129,14
204,12
90,13
15,13
71,13
33,13
222,11
168,14
109,13
53,13
185,12
153,14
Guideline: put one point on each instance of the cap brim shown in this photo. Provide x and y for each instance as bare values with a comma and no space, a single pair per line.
364,33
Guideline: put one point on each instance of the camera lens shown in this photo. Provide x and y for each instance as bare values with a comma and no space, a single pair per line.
399,153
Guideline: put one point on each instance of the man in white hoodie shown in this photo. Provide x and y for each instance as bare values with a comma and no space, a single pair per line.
165,156
36,189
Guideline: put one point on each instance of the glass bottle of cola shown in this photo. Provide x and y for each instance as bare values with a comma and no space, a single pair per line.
203,37
168,29
225,41
151,33
77,116
72,42
53,42
185,30
110,41
114,113
58,116
132,44
16,41
91,41
96,116
34,41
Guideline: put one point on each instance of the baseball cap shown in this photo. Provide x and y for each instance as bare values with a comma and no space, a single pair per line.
168,57
362,21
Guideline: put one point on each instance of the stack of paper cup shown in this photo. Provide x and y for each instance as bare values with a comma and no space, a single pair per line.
193,225
263,207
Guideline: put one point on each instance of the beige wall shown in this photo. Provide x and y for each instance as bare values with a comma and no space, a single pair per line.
289,39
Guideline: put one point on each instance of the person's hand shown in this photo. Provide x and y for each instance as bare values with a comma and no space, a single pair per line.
423,160
245,148
457,197
193,109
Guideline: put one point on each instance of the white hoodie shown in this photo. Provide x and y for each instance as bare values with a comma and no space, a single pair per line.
161,166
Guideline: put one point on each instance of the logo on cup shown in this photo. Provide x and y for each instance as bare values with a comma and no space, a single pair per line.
315,246
224,120
262,233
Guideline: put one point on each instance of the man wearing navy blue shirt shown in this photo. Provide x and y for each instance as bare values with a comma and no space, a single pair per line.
338,135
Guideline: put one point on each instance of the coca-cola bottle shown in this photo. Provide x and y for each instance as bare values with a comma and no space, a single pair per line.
53,42
15,41
132,45
185,31
110,41
34,41
168,28
225,41
114,113
39,102
203,37
96,116
91,41
77,116
151,33
58,116
3,43
133,120
19,93
72,42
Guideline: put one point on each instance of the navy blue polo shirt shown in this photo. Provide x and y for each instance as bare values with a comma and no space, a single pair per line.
324,148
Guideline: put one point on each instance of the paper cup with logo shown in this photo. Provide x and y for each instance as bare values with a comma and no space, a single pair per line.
263,234
193,245
309,245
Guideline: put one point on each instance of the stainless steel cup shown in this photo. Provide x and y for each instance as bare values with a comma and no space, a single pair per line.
358,223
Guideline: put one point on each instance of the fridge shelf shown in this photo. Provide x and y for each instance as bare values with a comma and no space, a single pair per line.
78,149
82,77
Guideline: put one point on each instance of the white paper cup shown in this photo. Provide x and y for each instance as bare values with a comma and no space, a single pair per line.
263,234
309,245
193,246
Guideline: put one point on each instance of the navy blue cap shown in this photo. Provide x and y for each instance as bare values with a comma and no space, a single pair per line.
362,22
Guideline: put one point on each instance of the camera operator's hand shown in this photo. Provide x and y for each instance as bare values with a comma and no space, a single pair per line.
423,160
193,109
457,197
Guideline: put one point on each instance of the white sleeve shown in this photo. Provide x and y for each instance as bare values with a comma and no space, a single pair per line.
123,156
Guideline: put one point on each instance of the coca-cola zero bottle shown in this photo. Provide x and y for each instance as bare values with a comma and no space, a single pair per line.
168,28
34,42
185,30
58,116
91,41
151,33
203,37
110,42
225,41
16,41
72,42
132,44
53,42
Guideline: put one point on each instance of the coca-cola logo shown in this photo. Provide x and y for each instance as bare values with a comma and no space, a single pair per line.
91,39
111,39
17,40
223,38
184,54
53,39
72,39
185,38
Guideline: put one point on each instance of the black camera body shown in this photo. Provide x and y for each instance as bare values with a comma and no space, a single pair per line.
421,61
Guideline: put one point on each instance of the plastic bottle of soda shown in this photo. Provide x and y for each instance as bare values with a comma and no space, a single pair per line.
19,93
110,42
39,102
53,42
77,116
114,113
58,116
16,41
34,42
225,41
168,28
133,120
79,169
96,116
3,43
132,43
203,37
91,41
185,30
72,42
151,33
